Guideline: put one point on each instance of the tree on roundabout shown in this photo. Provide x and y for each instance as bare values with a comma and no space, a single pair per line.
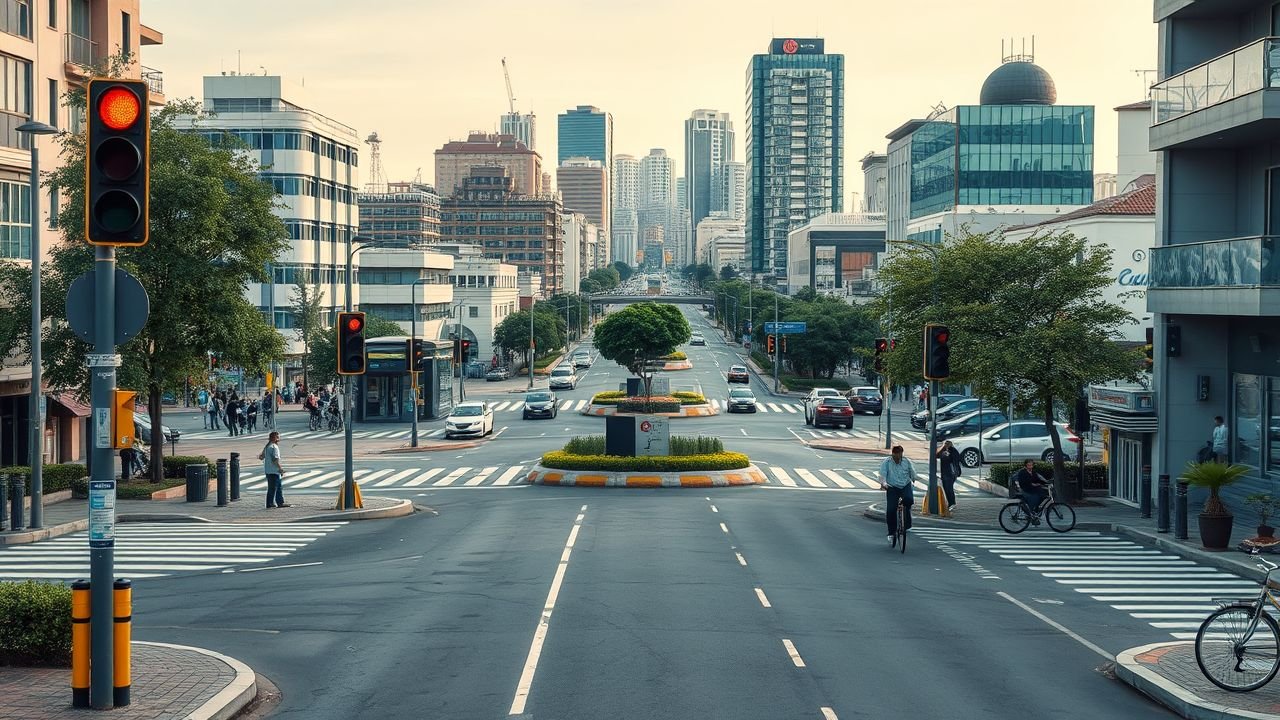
639,334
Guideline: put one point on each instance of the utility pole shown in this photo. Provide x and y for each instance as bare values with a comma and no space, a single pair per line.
777,345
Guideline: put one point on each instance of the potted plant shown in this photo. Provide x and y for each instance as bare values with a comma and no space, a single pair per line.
1265,506
1215,519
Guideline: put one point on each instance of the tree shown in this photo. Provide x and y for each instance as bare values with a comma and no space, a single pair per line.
512,334
576,307
589,285
624,270
639,334
307,308
1026,316
212,231
728,272
323,355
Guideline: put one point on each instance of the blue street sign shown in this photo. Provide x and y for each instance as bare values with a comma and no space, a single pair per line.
786,328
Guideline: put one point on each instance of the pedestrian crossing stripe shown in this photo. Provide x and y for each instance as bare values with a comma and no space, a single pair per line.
1165,591
148,550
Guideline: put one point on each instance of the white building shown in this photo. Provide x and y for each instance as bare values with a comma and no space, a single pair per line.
395,283
486,291
581,243
1104,185
708,145
624,225
875,182
530,288
523,126
729,249
717,224
657,182
735,189
836,254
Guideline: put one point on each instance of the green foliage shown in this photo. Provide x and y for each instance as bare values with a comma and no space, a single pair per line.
688,397
577,308
142,489
512,334
35,624
585,445
1263,504
695,445
561,460
619,398
640,333
624,270
307,308
53,477
699,274
1215,476
323,357
1095,473
176,466
675,356
728,273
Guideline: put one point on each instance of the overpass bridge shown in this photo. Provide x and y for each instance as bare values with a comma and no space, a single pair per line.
611,299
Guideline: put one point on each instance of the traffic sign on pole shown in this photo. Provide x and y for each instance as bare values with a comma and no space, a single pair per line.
786,328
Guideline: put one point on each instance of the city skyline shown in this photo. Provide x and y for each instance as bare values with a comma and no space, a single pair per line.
623,74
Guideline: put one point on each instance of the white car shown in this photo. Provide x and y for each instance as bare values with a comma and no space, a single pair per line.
473,418
563,377
1014,442
581,360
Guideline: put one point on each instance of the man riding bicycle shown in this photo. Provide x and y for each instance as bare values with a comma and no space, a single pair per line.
312,406
896,478
1032,484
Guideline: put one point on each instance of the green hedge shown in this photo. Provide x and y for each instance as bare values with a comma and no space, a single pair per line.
619,397
35,624
680,445
176,466
54,477
762,361
561,460
1095,473
688,397
654,404
142,489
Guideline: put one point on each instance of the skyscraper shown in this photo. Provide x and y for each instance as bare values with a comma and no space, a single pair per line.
735,190
524,126
708,145
795,145
584,188
624,225
585,131
657,179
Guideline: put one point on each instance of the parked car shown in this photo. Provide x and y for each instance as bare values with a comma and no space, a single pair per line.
834,411
1013,442
142,429
697,340
812,398
952,409
472,418
563,377
971,423
498,373
866,399
581,360
540,403
738,373
740,400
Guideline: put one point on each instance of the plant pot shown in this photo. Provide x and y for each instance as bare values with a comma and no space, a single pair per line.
1215,531
1266,531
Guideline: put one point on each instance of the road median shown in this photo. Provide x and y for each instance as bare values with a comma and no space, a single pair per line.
750,475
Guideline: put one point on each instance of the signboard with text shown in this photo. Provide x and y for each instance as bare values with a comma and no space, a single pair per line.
653,435
786,328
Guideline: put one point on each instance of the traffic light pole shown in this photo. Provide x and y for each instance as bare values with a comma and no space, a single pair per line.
102,482
776,356
348,476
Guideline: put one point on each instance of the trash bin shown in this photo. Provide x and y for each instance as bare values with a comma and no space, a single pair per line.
197,483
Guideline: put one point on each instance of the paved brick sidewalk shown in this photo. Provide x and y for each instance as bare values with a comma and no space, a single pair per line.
1168,672
169,682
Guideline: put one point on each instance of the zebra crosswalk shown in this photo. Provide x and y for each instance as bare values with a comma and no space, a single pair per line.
498,476
148,550
1165,591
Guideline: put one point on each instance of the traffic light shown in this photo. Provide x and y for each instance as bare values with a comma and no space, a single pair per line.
350,343
783,340
770,343
466,350
417,356
117,163
882,344
1149,361
1173,340
213,361
937,352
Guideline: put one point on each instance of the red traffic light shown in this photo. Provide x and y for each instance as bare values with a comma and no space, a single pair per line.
119,108
354,323
941,336
881,345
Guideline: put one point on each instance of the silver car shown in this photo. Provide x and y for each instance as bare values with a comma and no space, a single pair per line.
1014,442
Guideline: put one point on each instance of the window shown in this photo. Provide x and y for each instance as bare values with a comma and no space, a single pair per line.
55,203
53,102
15,219
473,311
53,13
1246,421
15,17
126,37
1273,424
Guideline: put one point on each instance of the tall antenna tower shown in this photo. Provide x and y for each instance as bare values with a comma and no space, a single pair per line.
377,180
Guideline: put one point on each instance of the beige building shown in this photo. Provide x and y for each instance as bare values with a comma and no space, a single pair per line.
584,188
716,225
47,47
455,160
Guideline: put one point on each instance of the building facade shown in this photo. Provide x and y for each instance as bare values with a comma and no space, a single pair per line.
624,224
407,213
455,160
485,292
584,188
711,229
735,189
875,183
521,126
837,254
581,248
394,284
585,131
708,145
795,146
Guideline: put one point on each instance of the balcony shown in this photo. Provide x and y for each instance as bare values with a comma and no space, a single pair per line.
79,51
1224,103
155,83
1236,276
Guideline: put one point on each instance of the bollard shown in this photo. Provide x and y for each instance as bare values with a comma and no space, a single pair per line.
1162,505
1145,501
222,483
122,592
4,499
235,476
17,489
1180,512
80,617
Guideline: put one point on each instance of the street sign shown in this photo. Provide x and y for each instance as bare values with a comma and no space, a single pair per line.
786,328
102,513
653,436
132,306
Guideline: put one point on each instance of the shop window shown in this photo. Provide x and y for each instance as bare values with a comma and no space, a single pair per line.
1246,421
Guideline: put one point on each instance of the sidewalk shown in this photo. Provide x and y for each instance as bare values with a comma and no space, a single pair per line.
1168,673
168,681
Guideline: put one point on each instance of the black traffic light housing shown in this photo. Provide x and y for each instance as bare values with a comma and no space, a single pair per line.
466,350
1173,340
937,352
770,343
417,356
351,357
117,163
783,339
882,344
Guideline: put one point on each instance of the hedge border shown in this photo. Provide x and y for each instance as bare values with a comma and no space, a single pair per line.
1095,473
561,460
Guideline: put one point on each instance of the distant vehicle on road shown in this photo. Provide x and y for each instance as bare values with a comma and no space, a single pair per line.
866,399
740,400
472,418
1012,442
142,430
540,403
563,377
833,411
970,423
697,340
949,406
812,398
581,360
498,373
738,373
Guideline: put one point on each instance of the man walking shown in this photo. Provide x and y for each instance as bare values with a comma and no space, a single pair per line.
896,476
949,465
233,419
1219,439
270,457
212,408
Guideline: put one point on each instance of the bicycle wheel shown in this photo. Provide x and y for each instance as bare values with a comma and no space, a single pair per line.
1233,660
1014,518
904,514
1060,516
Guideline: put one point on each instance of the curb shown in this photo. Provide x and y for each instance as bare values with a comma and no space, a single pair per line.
45,533
429,448
1170,694
401,508
750,475
233,698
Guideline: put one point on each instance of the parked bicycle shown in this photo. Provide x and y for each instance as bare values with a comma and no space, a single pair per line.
1238,645
1017,516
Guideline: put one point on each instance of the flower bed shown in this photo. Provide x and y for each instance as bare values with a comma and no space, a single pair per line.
561,460
677,355
618,397
652,404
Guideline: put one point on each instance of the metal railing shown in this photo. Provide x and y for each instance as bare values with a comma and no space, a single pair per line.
80,50
1235,74
154,78
1234,262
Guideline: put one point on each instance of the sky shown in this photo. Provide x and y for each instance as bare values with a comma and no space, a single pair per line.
423,72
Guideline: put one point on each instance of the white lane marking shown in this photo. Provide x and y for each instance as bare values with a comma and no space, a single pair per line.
724,528
829,714
741,560
481,477
502,406
1056,625
763,600
791,650
508,475
760,407
809,478
565,405
790,408
335,482
713,509
448,479
279,567
395,478
315,480
782,476
581,404
544,623
864,479
375,475
425,476
833,477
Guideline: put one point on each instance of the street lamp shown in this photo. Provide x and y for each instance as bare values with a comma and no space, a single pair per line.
32,128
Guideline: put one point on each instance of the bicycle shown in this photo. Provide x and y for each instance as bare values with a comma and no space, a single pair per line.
335,422
1238,645
314,423
1016,516
900,535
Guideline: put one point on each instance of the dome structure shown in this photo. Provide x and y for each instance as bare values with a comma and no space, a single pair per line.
1019,83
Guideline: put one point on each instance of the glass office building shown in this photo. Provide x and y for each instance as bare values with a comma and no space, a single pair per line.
584,131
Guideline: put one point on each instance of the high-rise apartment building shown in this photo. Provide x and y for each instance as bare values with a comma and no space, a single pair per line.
455,160
795,146
657,179
735,189
875,182
584,131
708,146
408,213
521,126
584,188
624,227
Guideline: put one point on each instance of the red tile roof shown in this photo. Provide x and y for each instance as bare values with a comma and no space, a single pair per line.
1138,202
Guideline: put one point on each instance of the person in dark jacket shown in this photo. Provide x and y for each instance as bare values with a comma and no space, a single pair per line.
233,416
949,466
1031,483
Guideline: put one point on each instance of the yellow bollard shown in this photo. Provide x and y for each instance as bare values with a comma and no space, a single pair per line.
80,616
122,592
341,496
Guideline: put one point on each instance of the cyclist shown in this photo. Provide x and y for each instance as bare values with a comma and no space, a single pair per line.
334,413
312,406
1032,484
896,478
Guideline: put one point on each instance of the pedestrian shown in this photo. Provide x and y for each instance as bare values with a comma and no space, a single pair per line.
243,416
202,402
268,410
1219,439
270,457
896,476
126,463
949,463
233,419
253,416
211,407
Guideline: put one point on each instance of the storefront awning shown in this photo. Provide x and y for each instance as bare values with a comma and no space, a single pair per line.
69,403
1124,421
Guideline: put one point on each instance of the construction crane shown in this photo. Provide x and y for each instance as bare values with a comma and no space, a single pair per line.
511,98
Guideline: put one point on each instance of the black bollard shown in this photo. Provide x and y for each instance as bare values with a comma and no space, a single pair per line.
17,489
235,476
1180,512
4,495
222,482
1145,501
1162,505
